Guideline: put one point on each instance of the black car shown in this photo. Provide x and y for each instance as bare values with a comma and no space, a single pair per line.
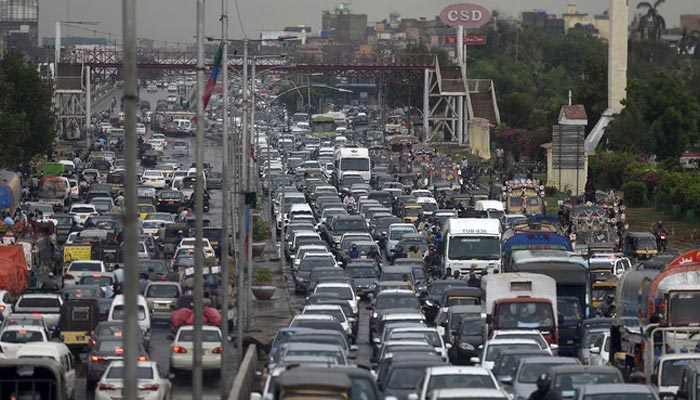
65,225
170,201
190,202
215,239
431,300
215,180
470,335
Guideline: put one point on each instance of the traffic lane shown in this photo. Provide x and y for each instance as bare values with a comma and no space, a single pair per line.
106,102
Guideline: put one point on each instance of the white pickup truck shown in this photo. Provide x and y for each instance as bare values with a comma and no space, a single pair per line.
47,305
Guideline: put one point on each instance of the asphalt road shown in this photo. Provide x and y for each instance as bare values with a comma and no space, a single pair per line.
160,344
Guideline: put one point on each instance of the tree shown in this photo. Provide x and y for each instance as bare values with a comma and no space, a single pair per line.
660,117
652,24
26,115
690,43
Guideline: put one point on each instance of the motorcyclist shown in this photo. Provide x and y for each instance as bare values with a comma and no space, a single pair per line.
544,389
607,306
414,252
474,280
353,253
349,203
51,283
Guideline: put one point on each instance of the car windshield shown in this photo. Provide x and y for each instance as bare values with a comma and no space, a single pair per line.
471,327
345,293
567,383
396,233
118,314
85,267
162,291
354,164
78,292
672,369
469,248
528,315
100,280
347,225
495,349
531,371
390,302
362,272
459,381
208,335
336,314
405,377
118,373
21,336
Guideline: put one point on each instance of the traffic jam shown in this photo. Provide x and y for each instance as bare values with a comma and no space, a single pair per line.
415,274
416,280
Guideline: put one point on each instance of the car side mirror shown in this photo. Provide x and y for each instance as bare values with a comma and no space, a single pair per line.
376,340
595,350
448,346
554,346
474,360
507,380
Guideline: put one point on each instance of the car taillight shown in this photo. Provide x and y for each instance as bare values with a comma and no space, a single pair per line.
68,276
96,359
153,387
179,350
218,350
105,387
2,308
143,358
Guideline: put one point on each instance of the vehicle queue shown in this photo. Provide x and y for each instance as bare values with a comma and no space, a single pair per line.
469,291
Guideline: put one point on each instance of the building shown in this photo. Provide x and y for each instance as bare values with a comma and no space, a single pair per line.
572,17
351,28
602,24
541,20
690,22
19,25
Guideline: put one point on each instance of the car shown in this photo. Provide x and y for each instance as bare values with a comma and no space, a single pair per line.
81,212
402,377
471,394
566,379
77,269
105,351
300,353
117,313
58,352
328,309
140,129
183,346
180,148
152,384
533,334
5,304
491,349
215,180
153,178
345,291
171,201
617,391
162,297
453,377
13,337
524,382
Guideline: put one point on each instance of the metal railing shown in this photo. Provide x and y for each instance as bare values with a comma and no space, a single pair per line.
244,383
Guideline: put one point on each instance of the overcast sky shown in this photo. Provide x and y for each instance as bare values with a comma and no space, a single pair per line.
174,20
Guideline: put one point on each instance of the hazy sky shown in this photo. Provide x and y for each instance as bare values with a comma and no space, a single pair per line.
174,20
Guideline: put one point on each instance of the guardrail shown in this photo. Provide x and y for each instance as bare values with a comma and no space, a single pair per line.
245,378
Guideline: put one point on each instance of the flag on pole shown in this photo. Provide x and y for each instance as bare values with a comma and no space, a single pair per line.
211,83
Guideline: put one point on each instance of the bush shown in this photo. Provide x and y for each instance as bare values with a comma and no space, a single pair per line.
262,274
635,194
261,229
550,191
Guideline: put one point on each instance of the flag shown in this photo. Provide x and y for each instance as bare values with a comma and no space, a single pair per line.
214,75
211,83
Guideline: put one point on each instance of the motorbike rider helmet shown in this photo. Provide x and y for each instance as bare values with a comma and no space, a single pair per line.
354,247
544,382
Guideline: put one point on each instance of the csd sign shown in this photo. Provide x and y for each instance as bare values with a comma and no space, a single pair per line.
465,15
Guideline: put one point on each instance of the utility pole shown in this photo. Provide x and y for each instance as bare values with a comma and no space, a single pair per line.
244,212
131,228
88,107
225,205
199,212
250,134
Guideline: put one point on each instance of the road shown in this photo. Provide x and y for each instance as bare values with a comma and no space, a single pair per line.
160,344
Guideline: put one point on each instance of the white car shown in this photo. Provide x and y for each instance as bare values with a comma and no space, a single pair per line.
180,148
140,129
77,269
153,178
13,337
189,243
492,347
333,310
183,347
152,227
153,383
81,212
344,291
452,377
155,144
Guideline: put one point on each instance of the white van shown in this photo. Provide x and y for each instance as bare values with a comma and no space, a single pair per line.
492,208
184,125
116,313
58,352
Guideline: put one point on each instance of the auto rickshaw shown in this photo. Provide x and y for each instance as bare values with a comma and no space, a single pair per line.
170,236
78,320
410,212
601,289
641,245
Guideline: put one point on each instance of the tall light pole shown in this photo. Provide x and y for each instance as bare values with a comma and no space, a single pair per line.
131,228
225,205
244,217
199,212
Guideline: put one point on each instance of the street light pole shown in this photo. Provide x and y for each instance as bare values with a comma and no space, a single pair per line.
243,218
131,228
225,201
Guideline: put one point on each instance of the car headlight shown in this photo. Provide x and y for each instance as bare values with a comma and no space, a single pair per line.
429,303
303,280
375,315
466,346
372,286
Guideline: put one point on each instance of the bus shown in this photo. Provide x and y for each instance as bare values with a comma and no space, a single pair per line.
323,125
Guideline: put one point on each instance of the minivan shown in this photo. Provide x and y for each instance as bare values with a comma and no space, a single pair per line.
58,352
116,313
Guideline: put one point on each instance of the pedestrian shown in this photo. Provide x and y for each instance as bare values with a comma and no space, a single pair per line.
589,190
51,283
143,282
118,273
474,280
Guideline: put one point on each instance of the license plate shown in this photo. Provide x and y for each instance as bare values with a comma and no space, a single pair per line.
162,305
80,338
171,202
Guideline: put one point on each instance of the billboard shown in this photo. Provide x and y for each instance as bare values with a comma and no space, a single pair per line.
465,15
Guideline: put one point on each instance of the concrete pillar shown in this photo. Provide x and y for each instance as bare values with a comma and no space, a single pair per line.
617,53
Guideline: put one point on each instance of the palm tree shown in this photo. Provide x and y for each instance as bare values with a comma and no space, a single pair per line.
651,24
690,42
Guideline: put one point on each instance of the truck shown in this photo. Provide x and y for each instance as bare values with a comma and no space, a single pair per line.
13,269
571,274
48,305
532,240
10,190
472,242
55,191
352,159
520,300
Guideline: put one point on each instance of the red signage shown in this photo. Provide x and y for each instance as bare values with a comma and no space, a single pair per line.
465,15
468,40
688,258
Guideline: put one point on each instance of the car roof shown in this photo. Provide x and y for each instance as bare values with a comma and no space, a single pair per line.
584,369
454,369
616,388
473,393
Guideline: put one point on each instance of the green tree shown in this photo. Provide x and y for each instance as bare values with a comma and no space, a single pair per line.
591,88
690,42
26,115
660,117
652,24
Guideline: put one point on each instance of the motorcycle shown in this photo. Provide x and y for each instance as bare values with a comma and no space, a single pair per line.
661,241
